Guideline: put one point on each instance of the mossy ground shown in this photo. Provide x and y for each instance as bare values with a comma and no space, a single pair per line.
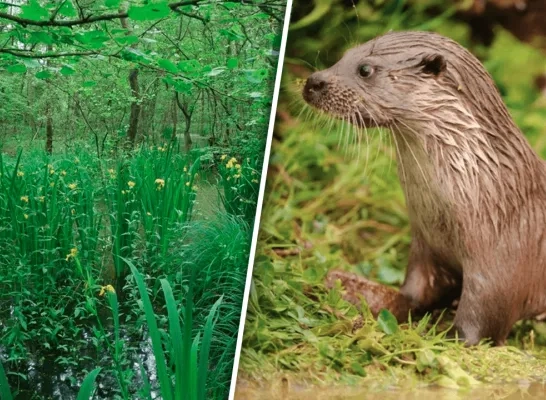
341,206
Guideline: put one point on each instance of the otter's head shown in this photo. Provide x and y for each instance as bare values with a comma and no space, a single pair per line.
400,78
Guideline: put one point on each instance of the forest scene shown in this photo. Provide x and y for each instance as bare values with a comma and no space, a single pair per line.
132,136
335,202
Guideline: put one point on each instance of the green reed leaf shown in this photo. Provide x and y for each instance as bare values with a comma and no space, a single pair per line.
88,385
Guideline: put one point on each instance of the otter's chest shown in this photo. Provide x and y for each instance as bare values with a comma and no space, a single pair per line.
430,200
432,215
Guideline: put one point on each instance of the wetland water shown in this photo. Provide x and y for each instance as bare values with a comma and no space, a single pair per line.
522,391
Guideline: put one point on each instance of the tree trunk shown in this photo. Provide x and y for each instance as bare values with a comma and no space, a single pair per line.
135,91
135,106
49,120
175,119
187,136
49,130
187,117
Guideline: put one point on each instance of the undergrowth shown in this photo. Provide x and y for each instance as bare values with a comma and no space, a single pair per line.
105,265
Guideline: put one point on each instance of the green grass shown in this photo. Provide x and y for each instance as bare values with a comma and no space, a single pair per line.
329,206
220,249
190,376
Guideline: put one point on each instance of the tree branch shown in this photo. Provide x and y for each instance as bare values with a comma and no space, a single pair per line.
4,3
89,19
17,53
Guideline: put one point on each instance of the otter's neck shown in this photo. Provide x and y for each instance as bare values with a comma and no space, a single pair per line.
477,163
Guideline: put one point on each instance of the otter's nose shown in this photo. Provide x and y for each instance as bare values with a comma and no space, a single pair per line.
315,85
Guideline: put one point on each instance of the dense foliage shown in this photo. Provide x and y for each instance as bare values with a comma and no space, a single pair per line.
107,70
132,137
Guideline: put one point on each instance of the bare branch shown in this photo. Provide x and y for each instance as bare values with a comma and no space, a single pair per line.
22,54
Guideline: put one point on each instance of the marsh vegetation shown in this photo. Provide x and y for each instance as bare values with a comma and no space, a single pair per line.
132,138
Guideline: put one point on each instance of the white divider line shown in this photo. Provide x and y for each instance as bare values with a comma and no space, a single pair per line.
260,199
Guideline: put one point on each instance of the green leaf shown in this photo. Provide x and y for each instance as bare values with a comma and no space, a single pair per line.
232,63
87,388
177,340
167,65
67,70
230,5
183,87
390,275
321,8
67,9
5,393
17,69
357,369
149,12
93,39
112,3
155,335
188,66
88,84
231,34
216,71
32,63
204,361
125,40
387,322
34,11
256,76
261,73
40,37
276,42
44,74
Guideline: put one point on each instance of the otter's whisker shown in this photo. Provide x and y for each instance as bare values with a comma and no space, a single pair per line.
304,114
342,134
379,144
366,132
356,143
399,158
390,145
425,180
345,125
339,138
358,123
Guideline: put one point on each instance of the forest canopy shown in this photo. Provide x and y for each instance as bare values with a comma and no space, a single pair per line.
110,70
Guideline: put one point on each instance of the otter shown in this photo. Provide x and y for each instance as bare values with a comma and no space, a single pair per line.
474,188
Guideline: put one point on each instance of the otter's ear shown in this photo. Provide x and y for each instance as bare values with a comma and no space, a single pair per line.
433,64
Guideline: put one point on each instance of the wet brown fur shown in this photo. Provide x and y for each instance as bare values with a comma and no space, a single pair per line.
475,189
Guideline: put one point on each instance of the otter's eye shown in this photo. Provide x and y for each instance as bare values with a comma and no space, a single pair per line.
365,70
